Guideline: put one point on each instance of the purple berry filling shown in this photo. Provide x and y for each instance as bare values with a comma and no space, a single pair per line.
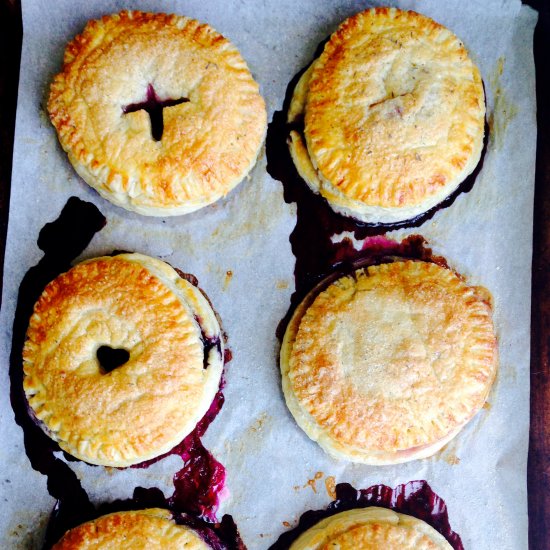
154,107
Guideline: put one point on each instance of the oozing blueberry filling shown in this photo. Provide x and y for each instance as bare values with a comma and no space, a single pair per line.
154,107
200,483
296,126
188,277
208,344
197,486
415,498
342,258
316,222
222,535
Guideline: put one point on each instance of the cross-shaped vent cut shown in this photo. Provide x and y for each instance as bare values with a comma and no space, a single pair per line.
154,107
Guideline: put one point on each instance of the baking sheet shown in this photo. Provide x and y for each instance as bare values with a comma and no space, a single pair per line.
274,471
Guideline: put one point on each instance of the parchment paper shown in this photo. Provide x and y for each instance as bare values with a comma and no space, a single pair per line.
485,234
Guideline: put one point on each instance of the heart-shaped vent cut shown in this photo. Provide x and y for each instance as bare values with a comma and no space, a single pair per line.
110,358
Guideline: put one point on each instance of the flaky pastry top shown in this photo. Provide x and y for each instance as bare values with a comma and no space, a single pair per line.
371,529
209,142
149,529
388,363
147,405
394,116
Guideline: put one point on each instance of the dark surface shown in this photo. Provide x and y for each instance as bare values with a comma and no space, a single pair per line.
539,441
60,244
10,53
539,452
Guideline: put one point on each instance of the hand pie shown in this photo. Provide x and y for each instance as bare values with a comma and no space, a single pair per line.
139,530
387,364
371,529
159,113
123,357
393,113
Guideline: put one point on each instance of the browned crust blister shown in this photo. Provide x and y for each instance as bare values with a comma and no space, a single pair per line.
145,407
209,143
389,363
394,116
138,530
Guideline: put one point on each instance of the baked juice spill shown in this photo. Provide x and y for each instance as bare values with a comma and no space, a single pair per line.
317,223
199,483
415,498
150,527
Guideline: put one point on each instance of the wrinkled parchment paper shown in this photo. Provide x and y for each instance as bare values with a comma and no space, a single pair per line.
274,471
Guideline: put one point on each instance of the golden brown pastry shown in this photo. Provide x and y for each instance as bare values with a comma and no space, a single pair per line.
394,116
153,528
388,363
371,529
182,156
140,307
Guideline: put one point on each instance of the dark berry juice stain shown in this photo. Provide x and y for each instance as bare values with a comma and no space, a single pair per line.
222,535
343,258
62,241
197,485
154,107
415,498
317,223
201,481
209,344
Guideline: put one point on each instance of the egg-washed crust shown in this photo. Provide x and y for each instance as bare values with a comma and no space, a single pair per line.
145,407
394,114
371,529
209,144
387,364
139,530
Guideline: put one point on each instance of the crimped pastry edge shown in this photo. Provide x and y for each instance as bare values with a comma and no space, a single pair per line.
157,513
99,175
339,201
197,307
316,433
